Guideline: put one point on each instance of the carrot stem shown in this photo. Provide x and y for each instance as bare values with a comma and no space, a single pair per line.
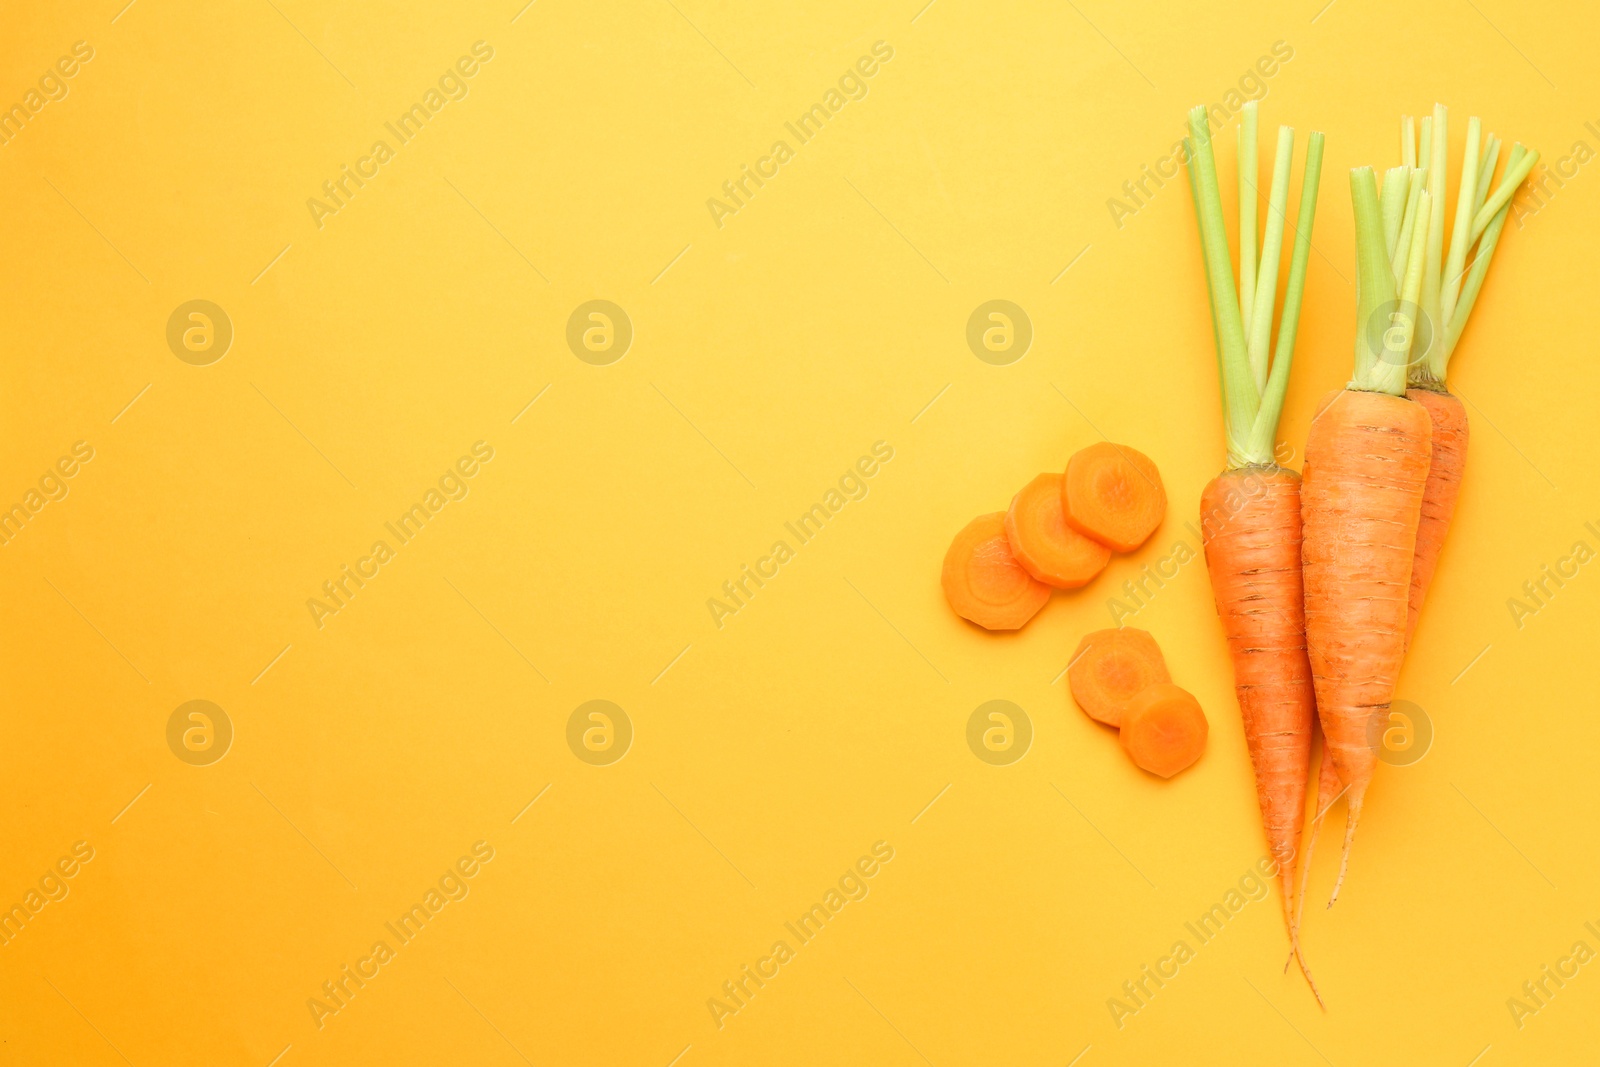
1249,173
1466,196
1239,388
1260,327
1515,172
1401,253
1377,368
1392,197
1476,274
1265,429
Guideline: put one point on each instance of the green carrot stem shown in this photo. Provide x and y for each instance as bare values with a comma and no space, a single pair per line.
1239,387
1259,337
1402,248
1491,156
1392,199
1405,316
1408,141
1376,368
1433,266
1248,175
1439,360
1503,193
1265,429
1466,196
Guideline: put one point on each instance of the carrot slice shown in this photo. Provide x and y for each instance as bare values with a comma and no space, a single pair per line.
1164,729
983,581
1110,668
1052,551
1114,495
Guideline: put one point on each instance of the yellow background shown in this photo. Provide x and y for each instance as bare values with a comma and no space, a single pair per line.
772,353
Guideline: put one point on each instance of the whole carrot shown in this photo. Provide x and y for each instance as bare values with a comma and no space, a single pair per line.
1449,290
1250,513
1367,455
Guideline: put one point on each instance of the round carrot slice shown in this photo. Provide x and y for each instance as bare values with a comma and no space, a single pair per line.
1052,551
1114,495
983,581
1164,729
1110,668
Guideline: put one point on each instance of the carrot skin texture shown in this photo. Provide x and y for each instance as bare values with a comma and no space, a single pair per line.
1449,419
1367,457
1250,523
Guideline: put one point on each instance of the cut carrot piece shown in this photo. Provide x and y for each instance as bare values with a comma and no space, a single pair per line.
1110,668
1052,551
983,581
1164,729
1114,495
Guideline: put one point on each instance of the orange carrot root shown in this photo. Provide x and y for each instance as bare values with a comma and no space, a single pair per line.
1113,494
1163,729
1450,430
1366,465
1052,551
1250,524
1110,668
983,581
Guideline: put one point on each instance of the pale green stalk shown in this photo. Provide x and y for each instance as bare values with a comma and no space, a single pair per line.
1466,196
1411,286
1402,249
1375,290
1249,172
1392,200
1194,193
1265,429
1438,163
1505,190
1408,141
1439,359
1260,326
1426,153
1491,156
1239,388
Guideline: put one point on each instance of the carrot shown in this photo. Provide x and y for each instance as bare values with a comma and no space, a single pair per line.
1164,730
983,581
1448,292
1328,793
1250,513
1110,668
1113,494
1044,544
1367,456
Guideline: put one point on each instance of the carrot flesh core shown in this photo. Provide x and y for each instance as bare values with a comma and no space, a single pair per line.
1164,730
1367,457
1049,549
1450,431
983,581
1250,524
1110,668
1114,495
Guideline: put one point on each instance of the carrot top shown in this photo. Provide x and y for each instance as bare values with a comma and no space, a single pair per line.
1412,211
1253,385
